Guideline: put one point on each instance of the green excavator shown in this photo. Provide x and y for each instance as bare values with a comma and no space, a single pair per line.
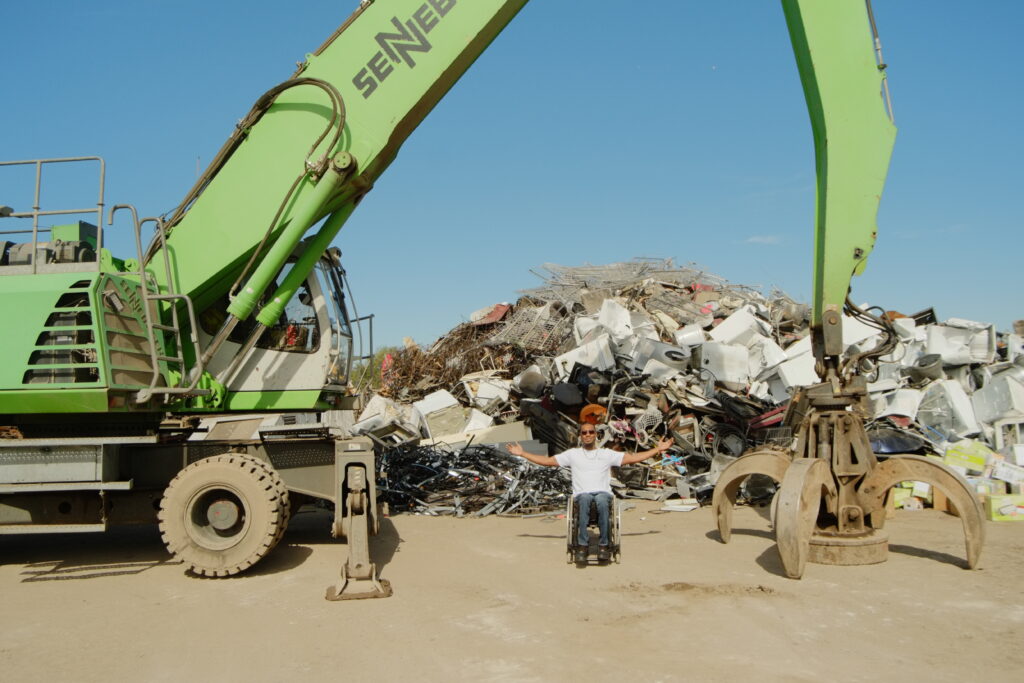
201,381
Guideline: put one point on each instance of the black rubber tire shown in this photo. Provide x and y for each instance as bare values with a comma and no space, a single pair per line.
259,496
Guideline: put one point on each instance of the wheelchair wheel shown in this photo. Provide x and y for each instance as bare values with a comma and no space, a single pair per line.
617,523
616,529
570,530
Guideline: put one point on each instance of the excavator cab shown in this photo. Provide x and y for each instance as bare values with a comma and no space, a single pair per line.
305,356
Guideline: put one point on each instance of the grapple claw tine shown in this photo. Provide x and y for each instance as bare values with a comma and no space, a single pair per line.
771,463
899,468
799,499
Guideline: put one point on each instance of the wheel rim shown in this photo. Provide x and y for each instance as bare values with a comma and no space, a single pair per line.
216,517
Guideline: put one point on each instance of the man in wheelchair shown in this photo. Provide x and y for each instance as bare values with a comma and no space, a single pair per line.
591,482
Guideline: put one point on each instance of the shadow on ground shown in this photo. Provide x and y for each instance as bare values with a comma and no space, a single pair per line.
129,550
67,557
313,528
929,554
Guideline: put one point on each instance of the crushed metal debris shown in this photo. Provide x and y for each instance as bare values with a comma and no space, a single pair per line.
646,349
473,481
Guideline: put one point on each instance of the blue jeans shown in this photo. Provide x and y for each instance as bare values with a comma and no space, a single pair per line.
604,504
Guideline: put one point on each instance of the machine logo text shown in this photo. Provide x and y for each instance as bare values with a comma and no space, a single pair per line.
399,47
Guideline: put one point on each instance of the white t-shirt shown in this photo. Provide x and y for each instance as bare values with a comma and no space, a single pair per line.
590,469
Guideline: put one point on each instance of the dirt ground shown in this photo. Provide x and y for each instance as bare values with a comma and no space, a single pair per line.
493,599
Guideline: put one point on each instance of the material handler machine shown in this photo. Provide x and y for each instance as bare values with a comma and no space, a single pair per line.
201,382
829,508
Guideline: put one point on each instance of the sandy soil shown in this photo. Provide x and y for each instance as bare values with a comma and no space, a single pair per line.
493,599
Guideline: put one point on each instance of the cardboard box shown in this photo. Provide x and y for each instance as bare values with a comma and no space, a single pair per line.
987,487
1010,473
969,454
1005,508
983,489
941,503
900,496
913,503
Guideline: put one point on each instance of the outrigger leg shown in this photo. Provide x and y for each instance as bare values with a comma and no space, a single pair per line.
358,574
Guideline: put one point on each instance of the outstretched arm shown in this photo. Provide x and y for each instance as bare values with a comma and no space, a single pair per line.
633,458
545,460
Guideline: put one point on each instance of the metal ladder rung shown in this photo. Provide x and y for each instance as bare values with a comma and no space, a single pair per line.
159,334
128,333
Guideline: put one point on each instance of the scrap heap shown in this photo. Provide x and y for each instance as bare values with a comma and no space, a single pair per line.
646,349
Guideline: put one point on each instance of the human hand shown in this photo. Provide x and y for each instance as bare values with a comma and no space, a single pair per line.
665,444
515,449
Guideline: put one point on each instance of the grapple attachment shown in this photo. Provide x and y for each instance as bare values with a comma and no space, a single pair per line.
829,508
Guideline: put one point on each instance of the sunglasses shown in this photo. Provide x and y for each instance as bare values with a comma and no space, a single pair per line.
588,431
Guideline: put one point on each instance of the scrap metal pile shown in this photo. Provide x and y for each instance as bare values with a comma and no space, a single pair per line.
646,349
470,481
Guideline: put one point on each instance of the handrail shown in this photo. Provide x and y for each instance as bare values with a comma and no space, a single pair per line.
37,211
148,312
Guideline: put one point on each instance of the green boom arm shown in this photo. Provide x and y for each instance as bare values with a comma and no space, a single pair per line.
314,145
844,84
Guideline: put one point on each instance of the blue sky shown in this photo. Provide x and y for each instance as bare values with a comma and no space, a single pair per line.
588,133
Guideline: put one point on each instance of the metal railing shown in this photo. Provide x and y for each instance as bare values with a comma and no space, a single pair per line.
155,330
37,210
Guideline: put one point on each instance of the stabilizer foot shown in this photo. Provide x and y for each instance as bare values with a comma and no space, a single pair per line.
351,588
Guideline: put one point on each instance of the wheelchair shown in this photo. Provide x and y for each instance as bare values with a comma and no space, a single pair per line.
572,514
